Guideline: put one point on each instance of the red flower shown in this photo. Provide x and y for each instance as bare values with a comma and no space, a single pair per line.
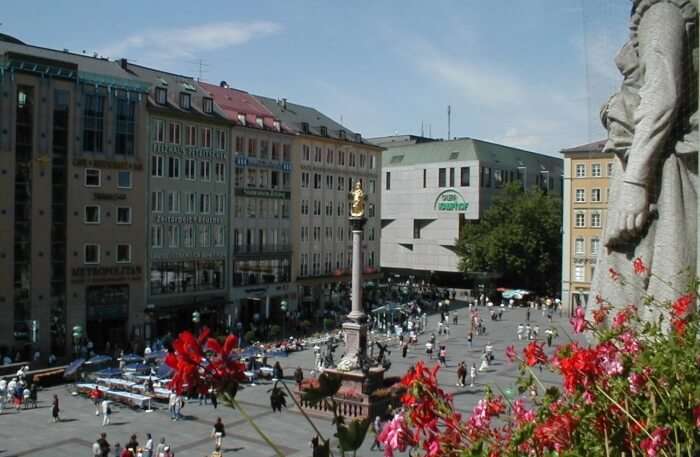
556,432
696,415
579,320
659,439
639,267
510,353
534,354
682,305
623,316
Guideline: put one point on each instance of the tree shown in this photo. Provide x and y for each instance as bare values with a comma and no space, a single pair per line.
518,239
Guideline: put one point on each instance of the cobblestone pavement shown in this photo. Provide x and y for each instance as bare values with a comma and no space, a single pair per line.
31,432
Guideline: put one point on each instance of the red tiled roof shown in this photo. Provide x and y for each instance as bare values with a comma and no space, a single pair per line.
235,102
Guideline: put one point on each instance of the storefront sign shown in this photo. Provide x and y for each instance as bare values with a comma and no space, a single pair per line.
104,196
187,255
161,219
191,152
451,201
106,274
243,161
263,193
110,164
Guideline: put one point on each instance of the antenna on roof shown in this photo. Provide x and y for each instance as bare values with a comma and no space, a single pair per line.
422,129
201,68
449,122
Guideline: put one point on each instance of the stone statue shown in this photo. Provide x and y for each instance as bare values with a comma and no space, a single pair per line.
358,201
652,125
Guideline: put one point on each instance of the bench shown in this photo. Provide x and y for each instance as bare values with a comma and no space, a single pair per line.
47,376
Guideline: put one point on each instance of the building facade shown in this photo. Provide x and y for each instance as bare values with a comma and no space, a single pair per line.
327,159
71,200
587,171
260,218
431,189
188,204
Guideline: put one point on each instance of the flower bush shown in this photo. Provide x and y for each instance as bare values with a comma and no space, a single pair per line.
634,392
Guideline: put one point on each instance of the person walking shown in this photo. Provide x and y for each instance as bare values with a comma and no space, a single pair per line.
133,443
217,452
172,400
117,449
521,330
470,339
472,375
104,445
404,349
299,376
218,432
442,356
148,447
461,374
429,350
161,447
55,409
106,412
96,395
377,429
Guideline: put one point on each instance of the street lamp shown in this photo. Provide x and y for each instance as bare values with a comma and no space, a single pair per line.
196,318
283,308
77,334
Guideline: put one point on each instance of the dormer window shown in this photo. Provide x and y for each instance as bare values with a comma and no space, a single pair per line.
259,122
207,105
305,127
276,125
324,130
241,119
161,95
185,100
341,134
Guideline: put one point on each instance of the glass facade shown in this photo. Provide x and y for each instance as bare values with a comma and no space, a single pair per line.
126,120
253,272
93,121
175,277
24,132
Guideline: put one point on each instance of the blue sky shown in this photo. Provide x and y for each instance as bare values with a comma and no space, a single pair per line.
528,73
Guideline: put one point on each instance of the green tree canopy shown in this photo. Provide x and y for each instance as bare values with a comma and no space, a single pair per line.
518,238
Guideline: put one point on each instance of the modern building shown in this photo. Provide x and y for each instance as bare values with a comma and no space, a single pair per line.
188,204
587,171
327,159
431,189
72,136
260,219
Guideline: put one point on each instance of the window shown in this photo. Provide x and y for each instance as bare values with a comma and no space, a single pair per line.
442,177
187,236
240,145
93,177
207,105
580,195
252,147
159,131
124,179
220,171
203,235
156,236
204,203
341,158
579,271
351,161
580,170
174,133
185,100
93,122
219,203
206,137
317,180
92,214
595,170
388,180
161,95
125,128
218,235
123,253
371,161
173,167
91,253
610,169
157,201
452,177
372,186
329,182
286,152
580,220
425,178
191,135
204,170
220,139
123,215
464,176
595,246
157,166
190,169
264,148
595,195
241,118
173,201
580,246
173,236
596,220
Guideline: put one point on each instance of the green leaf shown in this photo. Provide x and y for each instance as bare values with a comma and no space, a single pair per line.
351,437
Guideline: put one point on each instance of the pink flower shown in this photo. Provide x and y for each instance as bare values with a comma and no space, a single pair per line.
394,436
630,343
579,320
637,382
659,439
639,267
510,353
522,415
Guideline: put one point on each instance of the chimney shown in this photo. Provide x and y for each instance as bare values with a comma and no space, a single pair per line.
123,63
284,103
223,84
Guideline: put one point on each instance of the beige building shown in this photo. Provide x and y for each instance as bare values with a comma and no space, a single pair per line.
587,171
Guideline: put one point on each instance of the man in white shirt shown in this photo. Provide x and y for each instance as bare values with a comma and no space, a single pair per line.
148,448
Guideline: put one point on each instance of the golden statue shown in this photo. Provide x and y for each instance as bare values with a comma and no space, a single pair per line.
358,201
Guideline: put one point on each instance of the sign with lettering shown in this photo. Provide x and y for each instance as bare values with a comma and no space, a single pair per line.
111,164
244,161
190,152
263,193
187,255
162,219
450,201
106,274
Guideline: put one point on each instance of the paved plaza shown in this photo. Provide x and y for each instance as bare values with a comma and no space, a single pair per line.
32,433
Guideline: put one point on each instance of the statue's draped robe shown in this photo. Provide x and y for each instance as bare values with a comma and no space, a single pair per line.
655,111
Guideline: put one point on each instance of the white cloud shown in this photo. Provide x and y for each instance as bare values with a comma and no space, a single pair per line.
173,43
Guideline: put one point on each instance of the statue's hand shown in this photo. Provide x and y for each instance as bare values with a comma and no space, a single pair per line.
632,213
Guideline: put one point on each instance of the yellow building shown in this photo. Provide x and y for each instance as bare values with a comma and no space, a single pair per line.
587,170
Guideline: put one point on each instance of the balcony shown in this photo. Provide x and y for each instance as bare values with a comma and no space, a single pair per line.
256,250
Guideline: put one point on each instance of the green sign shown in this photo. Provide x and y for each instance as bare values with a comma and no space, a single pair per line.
451,201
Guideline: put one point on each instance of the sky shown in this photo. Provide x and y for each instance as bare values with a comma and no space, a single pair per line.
526,73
